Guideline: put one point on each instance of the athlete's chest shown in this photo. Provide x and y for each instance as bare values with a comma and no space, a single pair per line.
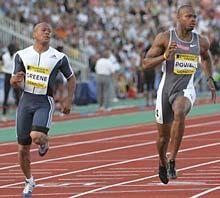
38,68
186,58
42,61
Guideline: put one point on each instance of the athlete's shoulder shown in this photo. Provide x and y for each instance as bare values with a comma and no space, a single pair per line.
204,41
25,50
56,53
162,38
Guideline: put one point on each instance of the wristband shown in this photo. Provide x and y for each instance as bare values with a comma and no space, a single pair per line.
164,56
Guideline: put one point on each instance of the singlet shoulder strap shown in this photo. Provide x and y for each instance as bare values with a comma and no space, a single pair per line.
196,37
171,35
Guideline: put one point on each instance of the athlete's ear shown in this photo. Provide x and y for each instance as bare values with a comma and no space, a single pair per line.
178,16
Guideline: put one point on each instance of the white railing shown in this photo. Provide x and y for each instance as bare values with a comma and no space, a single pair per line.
22,33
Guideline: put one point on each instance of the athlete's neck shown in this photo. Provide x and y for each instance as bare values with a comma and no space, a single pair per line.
183,34
40,48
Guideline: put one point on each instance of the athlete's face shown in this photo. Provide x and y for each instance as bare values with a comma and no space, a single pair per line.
187,18
42,33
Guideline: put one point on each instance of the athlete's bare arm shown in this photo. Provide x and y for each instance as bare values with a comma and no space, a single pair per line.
207,64
159,51
68,101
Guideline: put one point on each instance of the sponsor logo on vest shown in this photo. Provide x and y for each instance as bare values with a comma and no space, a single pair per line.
183,47
192,45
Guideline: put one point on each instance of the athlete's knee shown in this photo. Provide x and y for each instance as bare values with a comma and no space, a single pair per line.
23,148
23,151
25,141
179,115
38,137
162,140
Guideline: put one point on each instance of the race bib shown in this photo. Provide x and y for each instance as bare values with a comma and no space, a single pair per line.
185,63
37,76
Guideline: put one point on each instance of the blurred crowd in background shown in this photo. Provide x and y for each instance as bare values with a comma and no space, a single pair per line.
124,27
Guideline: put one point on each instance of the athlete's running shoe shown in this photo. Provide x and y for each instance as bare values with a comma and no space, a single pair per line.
28,189
172,169
163,174
43,149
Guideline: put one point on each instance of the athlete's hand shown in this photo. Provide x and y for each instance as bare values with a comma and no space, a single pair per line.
170,50
19,76
17,79
66,105
211,86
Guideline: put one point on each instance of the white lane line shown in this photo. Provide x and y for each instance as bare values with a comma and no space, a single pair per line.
107,175
120,171
89,179
213,115
89,141
116,137
137,180
106,150
84,154
83,133
206,192
84,161
113,164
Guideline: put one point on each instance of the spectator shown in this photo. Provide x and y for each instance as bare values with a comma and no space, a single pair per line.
7,59
104,69
93,25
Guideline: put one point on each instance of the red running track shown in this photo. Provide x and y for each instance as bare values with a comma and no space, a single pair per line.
119,163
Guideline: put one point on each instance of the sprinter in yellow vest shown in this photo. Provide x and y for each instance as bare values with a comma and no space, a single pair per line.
37,67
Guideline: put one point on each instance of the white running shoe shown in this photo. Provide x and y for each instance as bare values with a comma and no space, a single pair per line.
43,149
27,192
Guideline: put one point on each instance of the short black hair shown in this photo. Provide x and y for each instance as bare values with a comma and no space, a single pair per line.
183,6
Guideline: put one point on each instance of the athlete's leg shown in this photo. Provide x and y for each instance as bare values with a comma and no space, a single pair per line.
42,120
162,142
25,159
164,118
181,107
25,164
162,145
23,127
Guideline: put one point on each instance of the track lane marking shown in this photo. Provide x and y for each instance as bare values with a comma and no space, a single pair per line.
139,179
112,138
113,164
104,130
206,192
107,150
